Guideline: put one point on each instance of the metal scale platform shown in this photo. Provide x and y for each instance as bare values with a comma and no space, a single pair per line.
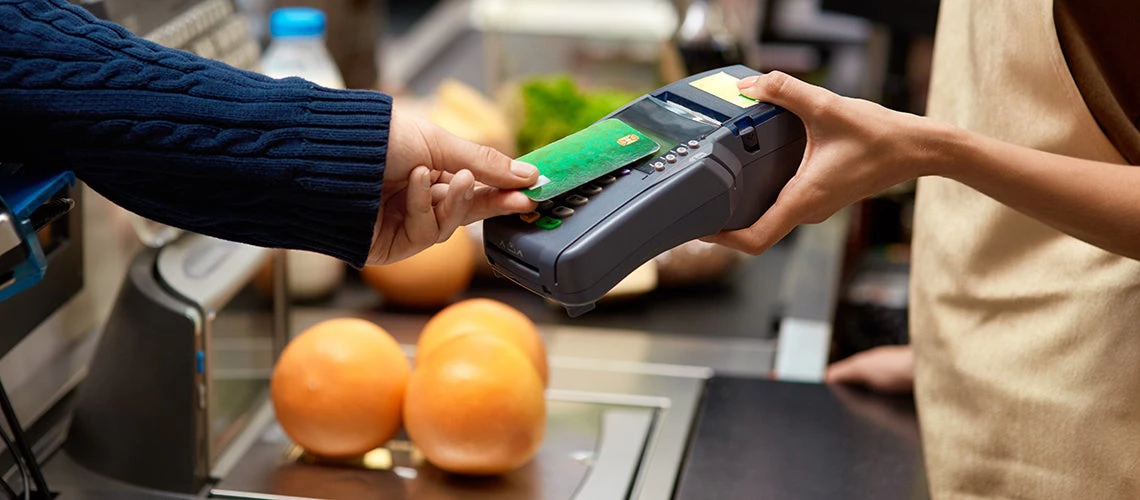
597,446
615,430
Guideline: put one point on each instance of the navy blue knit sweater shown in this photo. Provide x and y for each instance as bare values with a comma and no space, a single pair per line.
188,141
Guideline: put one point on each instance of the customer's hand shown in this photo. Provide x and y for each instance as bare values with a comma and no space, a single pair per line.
855,148
435,182
886,369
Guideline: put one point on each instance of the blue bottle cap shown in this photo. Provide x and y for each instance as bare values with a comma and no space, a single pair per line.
297,21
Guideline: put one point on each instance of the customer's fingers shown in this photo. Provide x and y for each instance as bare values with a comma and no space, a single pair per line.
452,211
420,224
491,202
452,154
439,193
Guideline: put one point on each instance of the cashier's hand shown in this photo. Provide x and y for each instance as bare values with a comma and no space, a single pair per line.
435,182
855,148
886,369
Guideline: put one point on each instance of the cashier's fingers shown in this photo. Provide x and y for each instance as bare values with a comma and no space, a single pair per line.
420,224
887,369
452,211
793,206
489,166
797,96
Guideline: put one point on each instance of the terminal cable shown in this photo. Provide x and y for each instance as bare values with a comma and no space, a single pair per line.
31,466
25,480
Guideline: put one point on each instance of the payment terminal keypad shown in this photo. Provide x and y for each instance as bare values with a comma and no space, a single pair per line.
590,189
576,200
562,212
551,214
548,223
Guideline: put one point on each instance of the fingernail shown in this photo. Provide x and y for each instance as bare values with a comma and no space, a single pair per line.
747,82
524,170
426,179
470,193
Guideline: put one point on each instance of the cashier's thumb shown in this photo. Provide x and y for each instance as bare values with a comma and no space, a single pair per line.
785,91
489,165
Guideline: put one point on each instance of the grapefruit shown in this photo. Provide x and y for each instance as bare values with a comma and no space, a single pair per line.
486,316
429,278
476,406
338,388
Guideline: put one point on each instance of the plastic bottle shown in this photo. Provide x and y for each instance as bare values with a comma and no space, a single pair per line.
297,48
703,39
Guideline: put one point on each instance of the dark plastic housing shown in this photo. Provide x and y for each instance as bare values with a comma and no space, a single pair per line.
726,179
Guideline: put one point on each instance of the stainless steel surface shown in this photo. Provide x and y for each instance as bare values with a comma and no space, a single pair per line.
618,453
281,325
262,418
236,347
194,267
241,354
9,239
621,393
204,385
580,437
739,356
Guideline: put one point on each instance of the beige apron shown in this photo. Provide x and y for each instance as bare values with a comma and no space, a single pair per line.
1027,340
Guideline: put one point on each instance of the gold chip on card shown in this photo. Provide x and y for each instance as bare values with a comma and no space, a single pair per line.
627,140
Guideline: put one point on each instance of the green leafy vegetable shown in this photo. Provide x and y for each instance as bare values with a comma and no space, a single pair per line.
555,107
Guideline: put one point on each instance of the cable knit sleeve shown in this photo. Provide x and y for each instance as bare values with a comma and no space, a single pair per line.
188,141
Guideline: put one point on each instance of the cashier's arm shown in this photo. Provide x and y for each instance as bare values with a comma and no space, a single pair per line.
856,148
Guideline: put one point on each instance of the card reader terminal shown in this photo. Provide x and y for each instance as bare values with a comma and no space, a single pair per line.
722,161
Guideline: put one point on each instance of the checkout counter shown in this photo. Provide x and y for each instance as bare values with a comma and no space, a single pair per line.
147,378
632,413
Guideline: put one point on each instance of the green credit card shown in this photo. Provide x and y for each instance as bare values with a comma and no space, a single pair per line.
585,155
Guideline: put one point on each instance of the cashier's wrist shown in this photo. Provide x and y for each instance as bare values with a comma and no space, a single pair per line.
936,148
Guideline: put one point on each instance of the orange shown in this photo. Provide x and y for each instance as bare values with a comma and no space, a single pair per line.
476,406
338,388
489,316
429,278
